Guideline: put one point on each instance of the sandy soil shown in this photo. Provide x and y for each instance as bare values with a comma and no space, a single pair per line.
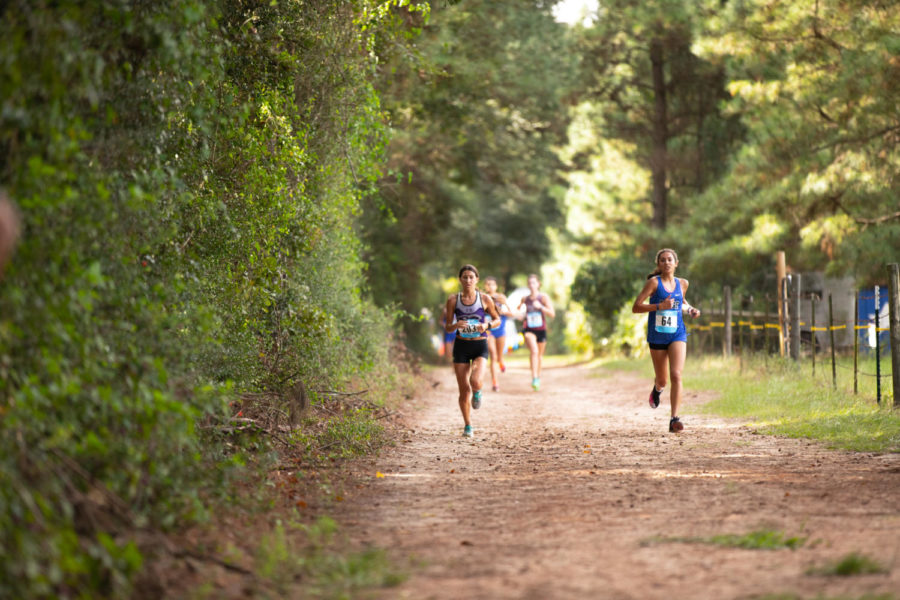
571,492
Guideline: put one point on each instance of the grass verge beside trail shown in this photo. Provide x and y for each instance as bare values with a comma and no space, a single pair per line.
783,398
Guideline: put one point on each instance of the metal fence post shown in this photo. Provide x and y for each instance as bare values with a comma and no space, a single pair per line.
795,316
727,335
894,286
831,335
855,342
812,330
877,348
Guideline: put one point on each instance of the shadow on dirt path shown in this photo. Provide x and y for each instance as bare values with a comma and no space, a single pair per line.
569,492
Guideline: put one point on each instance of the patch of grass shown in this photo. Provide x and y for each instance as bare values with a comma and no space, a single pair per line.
642,366
798,597
761,539
305,558
782,398
852,564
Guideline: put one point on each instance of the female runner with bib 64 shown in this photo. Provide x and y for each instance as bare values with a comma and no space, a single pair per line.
665,328
471,314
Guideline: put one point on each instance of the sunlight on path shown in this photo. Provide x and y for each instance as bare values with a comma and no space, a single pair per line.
563,492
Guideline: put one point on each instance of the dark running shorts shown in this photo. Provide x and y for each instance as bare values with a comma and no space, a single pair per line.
465,351
539,334
662,346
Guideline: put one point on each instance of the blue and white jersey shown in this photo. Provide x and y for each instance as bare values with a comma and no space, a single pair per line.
666,326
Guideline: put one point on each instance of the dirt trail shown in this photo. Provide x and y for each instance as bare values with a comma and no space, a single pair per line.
565,493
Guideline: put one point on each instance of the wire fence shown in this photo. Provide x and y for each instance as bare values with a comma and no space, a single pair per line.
824,337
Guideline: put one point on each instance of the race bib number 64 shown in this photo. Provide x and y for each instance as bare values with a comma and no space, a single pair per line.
666,321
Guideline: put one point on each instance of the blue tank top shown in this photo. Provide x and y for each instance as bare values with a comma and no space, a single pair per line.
473,314
665,326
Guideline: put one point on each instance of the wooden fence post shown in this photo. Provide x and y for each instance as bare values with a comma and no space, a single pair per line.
894,283
780,269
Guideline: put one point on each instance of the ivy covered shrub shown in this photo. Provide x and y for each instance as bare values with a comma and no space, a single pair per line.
188,175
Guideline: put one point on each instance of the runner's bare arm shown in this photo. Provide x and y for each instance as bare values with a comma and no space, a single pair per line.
503,308
648,289
693,311
491,309
546,304
449,325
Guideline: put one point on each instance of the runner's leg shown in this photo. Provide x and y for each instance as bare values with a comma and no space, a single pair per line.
540,357
660,359
476,375
531,342
462,380
677,353
492,348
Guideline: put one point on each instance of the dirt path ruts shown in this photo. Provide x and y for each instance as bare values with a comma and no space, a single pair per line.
564,491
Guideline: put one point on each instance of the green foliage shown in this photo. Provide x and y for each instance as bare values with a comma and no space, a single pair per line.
781,399
309,553
605,287
820,597
760,539
472,174
653,92
189,175
819,110
851,564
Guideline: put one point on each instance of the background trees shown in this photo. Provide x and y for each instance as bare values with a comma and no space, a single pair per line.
472,169
778,131
814,85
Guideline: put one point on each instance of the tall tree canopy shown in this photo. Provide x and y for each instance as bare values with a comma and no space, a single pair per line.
815,85
474,173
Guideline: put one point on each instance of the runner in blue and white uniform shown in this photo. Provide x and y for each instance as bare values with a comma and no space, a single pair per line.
537,309
664,294
473,314
497,337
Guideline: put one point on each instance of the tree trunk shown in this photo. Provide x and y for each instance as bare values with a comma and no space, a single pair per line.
659,152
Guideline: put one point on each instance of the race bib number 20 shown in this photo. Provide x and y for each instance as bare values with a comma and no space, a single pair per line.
666,321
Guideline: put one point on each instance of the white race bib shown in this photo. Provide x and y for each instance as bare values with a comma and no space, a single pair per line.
667,321
534,319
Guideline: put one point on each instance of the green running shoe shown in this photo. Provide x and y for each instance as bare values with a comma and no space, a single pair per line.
476,399
468,431
536,383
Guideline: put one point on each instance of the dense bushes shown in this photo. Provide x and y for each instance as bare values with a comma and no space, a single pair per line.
188,174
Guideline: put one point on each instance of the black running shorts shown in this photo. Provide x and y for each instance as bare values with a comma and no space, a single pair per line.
465,351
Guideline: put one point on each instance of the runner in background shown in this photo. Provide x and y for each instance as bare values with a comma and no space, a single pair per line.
473,314
665,328
497,337
447,337
537,309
